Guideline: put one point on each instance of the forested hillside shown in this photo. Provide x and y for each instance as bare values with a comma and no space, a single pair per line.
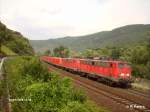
13,42
127,35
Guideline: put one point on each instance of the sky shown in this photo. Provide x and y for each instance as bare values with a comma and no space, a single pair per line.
45,19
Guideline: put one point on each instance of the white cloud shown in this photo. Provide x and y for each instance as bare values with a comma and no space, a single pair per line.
42,19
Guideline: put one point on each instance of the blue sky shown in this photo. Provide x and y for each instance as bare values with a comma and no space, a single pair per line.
44,19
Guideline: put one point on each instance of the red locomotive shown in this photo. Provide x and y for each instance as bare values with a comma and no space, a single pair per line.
113,72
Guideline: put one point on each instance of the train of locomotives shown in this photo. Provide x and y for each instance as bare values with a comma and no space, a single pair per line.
108,71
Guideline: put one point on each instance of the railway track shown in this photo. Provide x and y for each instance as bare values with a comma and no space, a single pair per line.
137,92
131,104
128,104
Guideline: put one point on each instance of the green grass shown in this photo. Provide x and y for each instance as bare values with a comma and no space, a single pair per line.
143,84
7,51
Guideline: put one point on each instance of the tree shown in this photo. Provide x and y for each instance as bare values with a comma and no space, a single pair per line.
115,54
148,45
2,34
47,52
61,51
140,61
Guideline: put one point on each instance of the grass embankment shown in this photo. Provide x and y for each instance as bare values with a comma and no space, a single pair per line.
5,50
43,91
143,84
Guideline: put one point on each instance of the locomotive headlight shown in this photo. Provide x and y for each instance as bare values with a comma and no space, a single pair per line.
122,74
127,75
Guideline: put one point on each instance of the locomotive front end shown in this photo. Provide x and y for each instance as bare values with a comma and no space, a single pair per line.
124,73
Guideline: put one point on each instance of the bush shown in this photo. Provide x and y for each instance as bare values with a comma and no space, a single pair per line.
81,107
34,68
29,79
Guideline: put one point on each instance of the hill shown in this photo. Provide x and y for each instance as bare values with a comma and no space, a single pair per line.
126,35
13,42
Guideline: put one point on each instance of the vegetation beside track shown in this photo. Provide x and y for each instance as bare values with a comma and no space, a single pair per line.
43,91
142,84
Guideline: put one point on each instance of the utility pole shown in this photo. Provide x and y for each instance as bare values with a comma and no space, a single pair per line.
6,106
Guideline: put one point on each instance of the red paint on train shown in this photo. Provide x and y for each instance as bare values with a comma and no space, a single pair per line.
112,70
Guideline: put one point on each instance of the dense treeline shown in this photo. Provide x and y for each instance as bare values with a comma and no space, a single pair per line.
60,51
12,42
43,91
140,59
